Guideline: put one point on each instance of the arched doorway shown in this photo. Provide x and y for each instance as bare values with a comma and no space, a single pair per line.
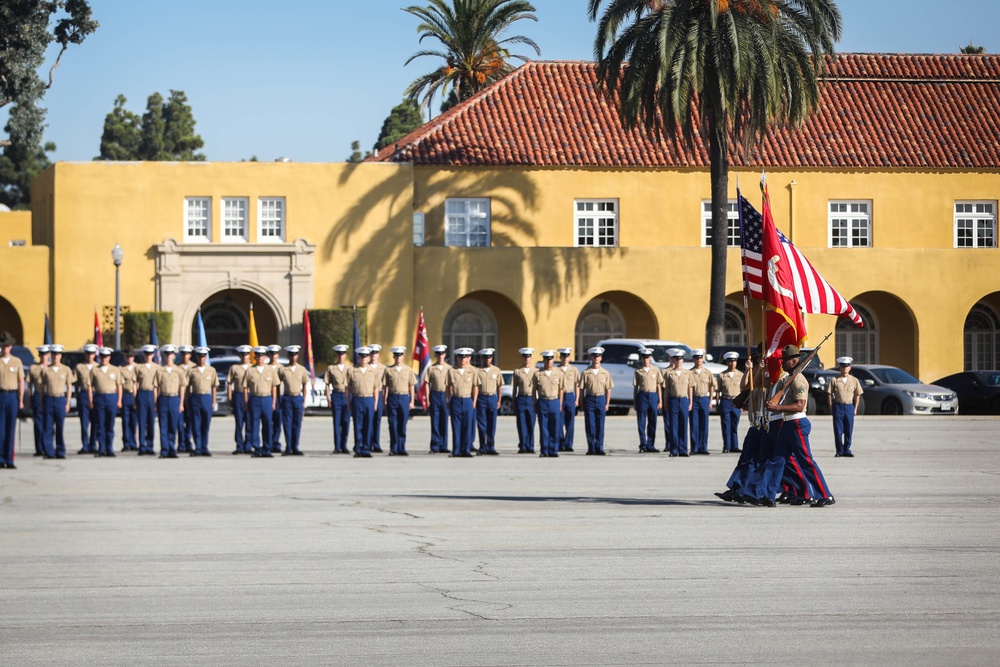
10,321
613,315
982,338
485,319
226,315
889,336
735,327
859,343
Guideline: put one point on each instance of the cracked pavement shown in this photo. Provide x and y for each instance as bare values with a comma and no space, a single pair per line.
510,560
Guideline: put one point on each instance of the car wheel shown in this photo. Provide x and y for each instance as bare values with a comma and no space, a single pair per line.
891,406
811,406
506,406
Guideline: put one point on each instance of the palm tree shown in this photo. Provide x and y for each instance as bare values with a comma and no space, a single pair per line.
714,71
475,50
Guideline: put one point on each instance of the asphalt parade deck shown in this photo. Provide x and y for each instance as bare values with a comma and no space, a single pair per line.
626,559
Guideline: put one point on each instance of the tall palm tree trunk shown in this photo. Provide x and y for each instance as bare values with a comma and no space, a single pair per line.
718,154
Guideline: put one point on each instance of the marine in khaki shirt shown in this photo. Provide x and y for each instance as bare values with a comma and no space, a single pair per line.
399,379
463,382
677,382
647,378
730,382
437,376
35,373
595,381
82,373
12,375
106,379
170,381
702,382
548,384
490,380
570,371
203,380
236,377
145,374
521,381
57,381
128,378
844,389
294,379
262,380
362,381
336,378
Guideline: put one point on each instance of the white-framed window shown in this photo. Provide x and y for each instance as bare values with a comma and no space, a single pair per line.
418,229
234,219
732,223
861,343
197,219
850,224
467,223
735,327
975,224
596,222
271,220
982,338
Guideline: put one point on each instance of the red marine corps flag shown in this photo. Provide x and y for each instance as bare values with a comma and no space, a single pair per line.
98,337
422,355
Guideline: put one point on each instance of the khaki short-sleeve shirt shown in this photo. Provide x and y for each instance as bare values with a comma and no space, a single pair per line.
647,379
729,383
490,381
202,380
169,380
56,380
336,378
83,375
437,377
521,381
261,380
676,382
105,379
548,384
702,381
844,390
294,379
572,378
128,378
399,379
461,382
595,382
361,381
145,375
237,377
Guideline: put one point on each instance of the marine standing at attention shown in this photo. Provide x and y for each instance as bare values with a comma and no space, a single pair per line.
488,402
57,390
398,382
202,381
844,395
361,392
235,384
145,379
84,409
34,384
702,388
168,393
106,397
569,403
677,398
524,404
379,370
128,373
547,389
728,388
11,398
294,383
336,398
463,389
260,390
436,387
648,401
595,390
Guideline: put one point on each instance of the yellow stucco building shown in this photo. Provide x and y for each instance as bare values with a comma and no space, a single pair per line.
528,215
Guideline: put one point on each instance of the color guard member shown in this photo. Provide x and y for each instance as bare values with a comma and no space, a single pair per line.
11,398
277,418
702,388
106,397
168,394
524,404
463,389
336,398
128,373
488,402
677,393
398,382
595,390
379,370
294,382
57,390
648,400
361,391
145,379
568,421
235,384
260,391
844,394
84,409
547,390
35,372
436,387
202,383
728,386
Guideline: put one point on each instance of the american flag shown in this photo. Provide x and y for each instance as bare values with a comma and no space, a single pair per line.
812,293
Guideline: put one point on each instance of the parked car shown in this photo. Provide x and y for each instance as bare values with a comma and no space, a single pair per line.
819,382
978,391
893,391
315,399
507,394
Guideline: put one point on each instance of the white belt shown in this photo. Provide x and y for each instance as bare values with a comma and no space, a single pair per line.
794,416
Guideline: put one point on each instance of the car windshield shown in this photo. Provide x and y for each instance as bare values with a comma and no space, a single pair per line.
661,353
893,376
991,379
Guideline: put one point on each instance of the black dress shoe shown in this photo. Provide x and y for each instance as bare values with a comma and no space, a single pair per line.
39,454
600,454
735,451
235,453
267,455
403,454
673,455
466,455
824,502
297,453
172,455
111,454
83,451
194,453
60,456
838,454
849,455
683,454
286,453
206,453
767,502
725,495
10,466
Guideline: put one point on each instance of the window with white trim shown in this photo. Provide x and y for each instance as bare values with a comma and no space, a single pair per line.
271,220
418,229
467,223
234,219
596,222
732,223
197,219
850,224
975,224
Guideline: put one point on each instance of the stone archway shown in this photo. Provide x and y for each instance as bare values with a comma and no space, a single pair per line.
614,314
486,319
226,315
893,337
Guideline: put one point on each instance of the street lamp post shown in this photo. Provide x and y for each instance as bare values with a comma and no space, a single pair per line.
116,255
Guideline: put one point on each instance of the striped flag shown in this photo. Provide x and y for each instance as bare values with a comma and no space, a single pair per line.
48,332
154,340
307,345
422,355
98,337
811,292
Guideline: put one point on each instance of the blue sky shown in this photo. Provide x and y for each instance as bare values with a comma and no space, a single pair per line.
303,78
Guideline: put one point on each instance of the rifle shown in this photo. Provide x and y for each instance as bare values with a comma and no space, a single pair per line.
803,362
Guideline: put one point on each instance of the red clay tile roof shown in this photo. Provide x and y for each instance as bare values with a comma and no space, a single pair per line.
878,110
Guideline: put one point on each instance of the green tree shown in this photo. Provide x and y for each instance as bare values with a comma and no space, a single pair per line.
973,50
404,118
356,154
712,71
20,163
165,132
122,136
474,49
27,27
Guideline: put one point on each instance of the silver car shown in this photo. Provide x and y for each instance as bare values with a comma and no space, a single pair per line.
893,391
